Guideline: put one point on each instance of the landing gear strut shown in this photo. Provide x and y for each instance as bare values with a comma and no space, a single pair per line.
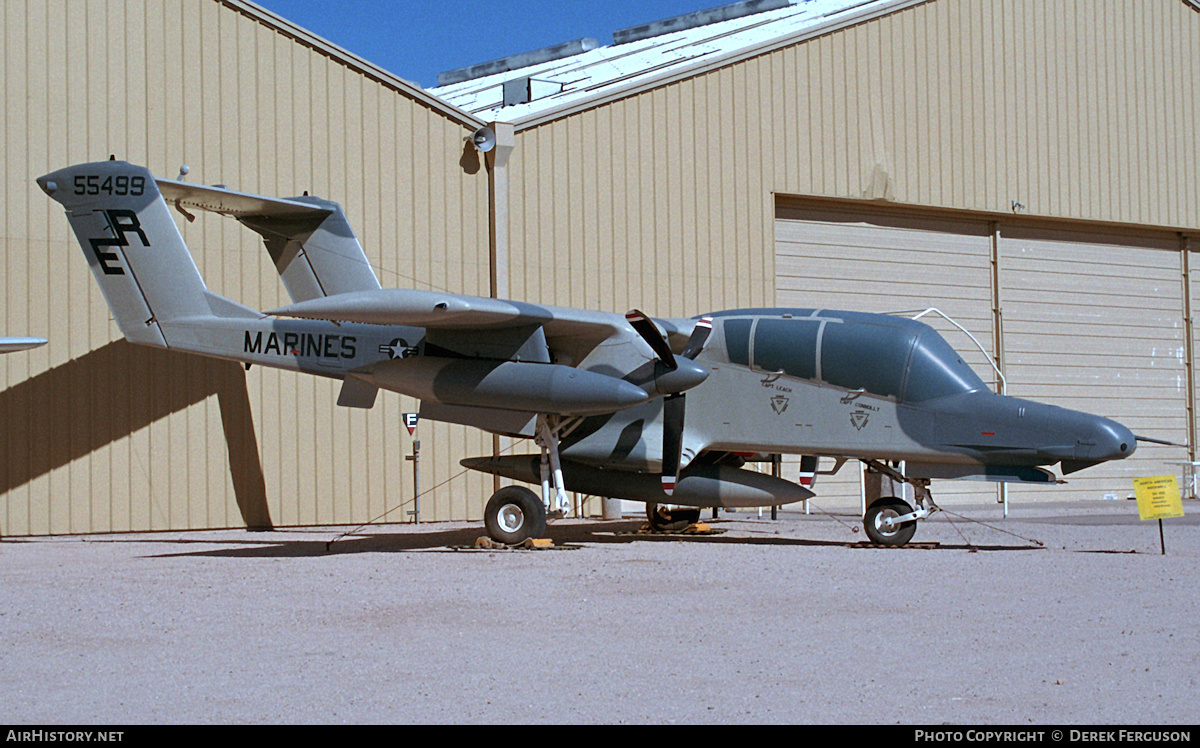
554,495
881,524
890,520
514,513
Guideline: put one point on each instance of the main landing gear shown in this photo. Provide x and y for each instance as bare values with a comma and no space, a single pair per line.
514,513
890,520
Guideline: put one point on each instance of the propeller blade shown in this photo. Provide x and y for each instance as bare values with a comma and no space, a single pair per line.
649,333
673,410
699,337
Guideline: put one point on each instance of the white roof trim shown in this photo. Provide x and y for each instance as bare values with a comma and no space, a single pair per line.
309,39
524,117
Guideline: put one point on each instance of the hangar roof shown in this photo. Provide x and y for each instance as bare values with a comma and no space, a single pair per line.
569,84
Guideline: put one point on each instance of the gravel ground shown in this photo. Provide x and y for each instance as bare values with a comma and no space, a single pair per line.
787,621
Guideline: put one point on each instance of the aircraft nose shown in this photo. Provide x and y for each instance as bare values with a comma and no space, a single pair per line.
1112,441
1082,439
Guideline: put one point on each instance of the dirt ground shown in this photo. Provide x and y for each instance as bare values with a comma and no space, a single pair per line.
786,621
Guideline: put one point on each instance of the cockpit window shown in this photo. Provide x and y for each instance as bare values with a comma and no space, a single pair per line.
865,356
884,356
787,345
737,340
936,370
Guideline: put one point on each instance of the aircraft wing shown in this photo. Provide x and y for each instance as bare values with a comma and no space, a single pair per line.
450,311
447,314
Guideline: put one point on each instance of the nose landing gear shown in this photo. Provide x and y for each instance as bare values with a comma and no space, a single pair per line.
882,522
890,520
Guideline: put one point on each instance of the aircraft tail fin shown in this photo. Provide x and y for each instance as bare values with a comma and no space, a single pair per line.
309,239
135,249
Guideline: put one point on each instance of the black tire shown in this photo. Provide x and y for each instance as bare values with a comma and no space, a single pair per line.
513,515
881,510
663,519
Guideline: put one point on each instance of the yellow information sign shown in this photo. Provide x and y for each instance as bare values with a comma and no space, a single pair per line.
1158,497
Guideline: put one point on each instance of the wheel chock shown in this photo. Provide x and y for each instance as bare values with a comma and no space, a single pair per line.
698,528
483,542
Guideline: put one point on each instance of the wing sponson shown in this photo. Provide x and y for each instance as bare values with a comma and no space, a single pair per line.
700,485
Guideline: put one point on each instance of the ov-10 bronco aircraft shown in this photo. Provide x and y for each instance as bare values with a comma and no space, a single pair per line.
662,411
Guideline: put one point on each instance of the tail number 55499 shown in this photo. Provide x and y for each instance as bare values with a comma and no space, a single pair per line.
91,184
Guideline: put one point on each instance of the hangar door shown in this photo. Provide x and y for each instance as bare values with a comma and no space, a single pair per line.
875,261
1095,321
1090,320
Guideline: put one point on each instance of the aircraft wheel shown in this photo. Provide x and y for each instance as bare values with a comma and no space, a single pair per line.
881,510
514,514
663,519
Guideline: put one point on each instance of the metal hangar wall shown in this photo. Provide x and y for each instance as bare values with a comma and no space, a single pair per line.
1027,167
1030,168
102,436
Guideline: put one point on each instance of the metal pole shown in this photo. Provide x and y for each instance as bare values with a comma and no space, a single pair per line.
776,471
416,461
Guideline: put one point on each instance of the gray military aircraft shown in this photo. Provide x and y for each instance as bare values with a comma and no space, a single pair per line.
620,405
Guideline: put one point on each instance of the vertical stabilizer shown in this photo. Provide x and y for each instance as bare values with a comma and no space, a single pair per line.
133,246
316,255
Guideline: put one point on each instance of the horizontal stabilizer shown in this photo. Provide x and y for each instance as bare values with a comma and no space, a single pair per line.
227,202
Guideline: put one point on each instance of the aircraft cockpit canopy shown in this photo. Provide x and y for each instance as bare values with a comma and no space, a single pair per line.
890,356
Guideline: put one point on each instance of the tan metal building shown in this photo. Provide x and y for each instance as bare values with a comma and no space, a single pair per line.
99,435
1028,167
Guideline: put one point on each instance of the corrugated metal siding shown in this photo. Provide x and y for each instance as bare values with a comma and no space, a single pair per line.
670,218
873,261
1190,246
1077,108
1095,322
102,436
1092,319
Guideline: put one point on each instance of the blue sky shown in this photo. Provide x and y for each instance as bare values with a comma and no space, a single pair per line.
418,39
